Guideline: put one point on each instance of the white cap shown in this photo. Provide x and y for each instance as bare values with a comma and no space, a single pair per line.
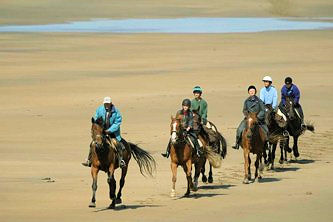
267,78
107,100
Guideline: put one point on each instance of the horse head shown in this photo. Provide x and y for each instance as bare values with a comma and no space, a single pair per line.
289,107
251,123
97,132
269,113
176,130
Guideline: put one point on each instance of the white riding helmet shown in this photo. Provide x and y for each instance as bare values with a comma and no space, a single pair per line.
267,78
107,100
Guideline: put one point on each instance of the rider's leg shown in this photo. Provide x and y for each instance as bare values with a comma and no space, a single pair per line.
87,162
167,152
194,138
239,131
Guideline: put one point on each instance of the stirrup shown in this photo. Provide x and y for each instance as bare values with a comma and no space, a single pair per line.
87,163
166,155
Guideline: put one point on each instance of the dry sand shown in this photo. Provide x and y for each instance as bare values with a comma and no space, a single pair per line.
51,84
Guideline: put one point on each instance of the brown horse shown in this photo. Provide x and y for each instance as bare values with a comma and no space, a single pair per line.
104,158
253,141
181,154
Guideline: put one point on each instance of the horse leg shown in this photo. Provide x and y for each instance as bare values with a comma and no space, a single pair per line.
295,147
94,173
246,166
188,171
174,179
210,177
112,186
204,178
266,148
121,184
198,167
261,167
249,169
273,156
282,148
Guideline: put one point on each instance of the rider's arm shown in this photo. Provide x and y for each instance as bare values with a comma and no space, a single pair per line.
116,125
275,98
245,111
204,111
261,114
98,113
262,94
283,95
297,94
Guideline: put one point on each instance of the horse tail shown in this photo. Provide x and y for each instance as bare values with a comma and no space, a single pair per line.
223,141
309,126
213,157
145,161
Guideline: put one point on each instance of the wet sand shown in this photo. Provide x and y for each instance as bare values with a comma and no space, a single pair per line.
51,84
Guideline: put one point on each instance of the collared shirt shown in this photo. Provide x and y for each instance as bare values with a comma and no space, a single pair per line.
269,96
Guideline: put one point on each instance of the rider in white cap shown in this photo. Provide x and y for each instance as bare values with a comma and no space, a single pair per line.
268,94
111,122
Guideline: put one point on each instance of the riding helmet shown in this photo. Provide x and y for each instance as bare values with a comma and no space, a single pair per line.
288,80
267,78
252,87
197,89
186,102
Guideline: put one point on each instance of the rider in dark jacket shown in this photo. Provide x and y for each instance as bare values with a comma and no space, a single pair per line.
251,105
292,91
188,126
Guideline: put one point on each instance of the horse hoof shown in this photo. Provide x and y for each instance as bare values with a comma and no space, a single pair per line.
249,177
210,180
112,206
92,205
204,179
173,193
118,201
246,181
187,194
281,161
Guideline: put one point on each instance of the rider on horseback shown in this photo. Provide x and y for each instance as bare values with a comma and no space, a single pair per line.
292,91
199,105
187,124
268,94
251,105
111,121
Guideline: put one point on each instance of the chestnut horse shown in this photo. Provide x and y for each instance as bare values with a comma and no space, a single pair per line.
253,141
181,154
104,158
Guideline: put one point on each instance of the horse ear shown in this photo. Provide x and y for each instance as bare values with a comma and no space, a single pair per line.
92,120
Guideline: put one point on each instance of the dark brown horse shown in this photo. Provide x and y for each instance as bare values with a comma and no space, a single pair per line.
104,157
218,144
294,127
181,155
253,141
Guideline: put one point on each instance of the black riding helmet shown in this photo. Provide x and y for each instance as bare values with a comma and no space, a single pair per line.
186,102
288,80
252,87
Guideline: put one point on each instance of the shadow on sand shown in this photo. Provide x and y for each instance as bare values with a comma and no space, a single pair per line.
303,161
269,180
286,169
215,187
200,195
128,207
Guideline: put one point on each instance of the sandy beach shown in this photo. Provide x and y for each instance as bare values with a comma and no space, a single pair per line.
51,84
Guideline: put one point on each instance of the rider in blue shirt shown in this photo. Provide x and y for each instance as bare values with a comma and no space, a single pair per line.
268,94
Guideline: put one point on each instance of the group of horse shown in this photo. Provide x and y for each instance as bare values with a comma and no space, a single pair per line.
213,148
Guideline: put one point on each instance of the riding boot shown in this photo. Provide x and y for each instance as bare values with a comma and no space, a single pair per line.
167,152
87,162
120,149
196,146
236,145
